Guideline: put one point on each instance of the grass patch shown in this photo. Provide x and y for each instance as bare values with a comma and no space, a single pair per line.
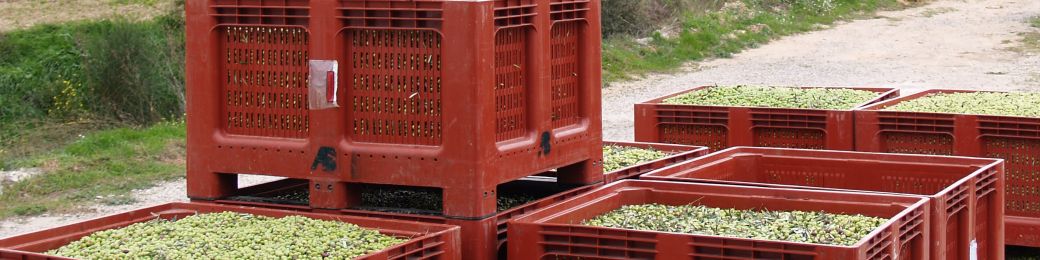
118,69
106,164
1030,41
737,26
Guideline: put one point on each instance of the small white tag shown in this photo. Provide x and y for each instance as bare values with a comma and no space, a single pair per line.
973,251
323,84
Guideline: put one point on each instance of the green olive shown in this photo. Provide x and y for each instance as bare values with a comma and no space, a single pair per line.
776,97
979,103
230,235
619,157
794,226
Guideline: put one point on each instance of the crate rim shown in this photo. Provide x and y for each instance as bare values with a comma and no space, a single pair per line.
920,203
881,91
879,106
988,163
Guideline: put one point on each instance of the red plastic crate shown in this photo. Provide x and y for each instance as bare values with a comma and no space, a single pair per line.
458,95
677,153
427,241
720,127
966,193
554,232
481,238
1014,139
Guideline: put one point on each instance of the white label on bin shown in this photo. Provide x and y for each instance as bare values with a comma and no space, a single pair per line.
973,252
323,84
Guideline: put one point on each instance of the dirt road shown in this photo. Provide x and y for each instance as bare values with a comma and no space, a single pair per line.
955,44
965,44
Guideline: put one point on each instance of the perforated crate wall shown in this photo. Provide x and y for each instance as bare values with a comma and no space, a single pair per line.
395,86
565,91
567,21
514,21
265,81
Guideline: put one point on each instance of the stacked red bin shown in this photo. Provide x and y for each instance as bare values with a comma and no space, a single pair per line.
456,95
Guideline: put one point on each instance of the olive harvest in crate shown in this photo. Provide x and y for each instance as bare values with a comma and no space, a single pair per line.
720,117
793,226
230,235
775,97
982,103
618,157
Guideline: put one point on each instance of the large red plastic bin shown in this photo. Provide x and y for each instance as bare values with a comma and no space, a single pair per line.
461,95
966,193
676,153
482,239
1014,139
720,127
555,232
426,241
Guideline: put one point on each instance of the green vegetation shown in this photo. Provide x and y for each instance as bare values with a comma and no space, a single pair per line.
979,103
109,162
775,97
62,83
118,69
619,157
1030,41
230,235
736,26
794,226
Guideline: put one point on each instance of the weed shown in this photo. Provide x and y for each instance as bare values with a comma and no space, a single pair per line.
28,210
122,69
1030,40
117,200
936,11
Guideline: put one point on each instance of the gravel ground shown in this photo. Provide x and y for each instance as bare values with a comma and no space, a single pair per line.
162,193
948,44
